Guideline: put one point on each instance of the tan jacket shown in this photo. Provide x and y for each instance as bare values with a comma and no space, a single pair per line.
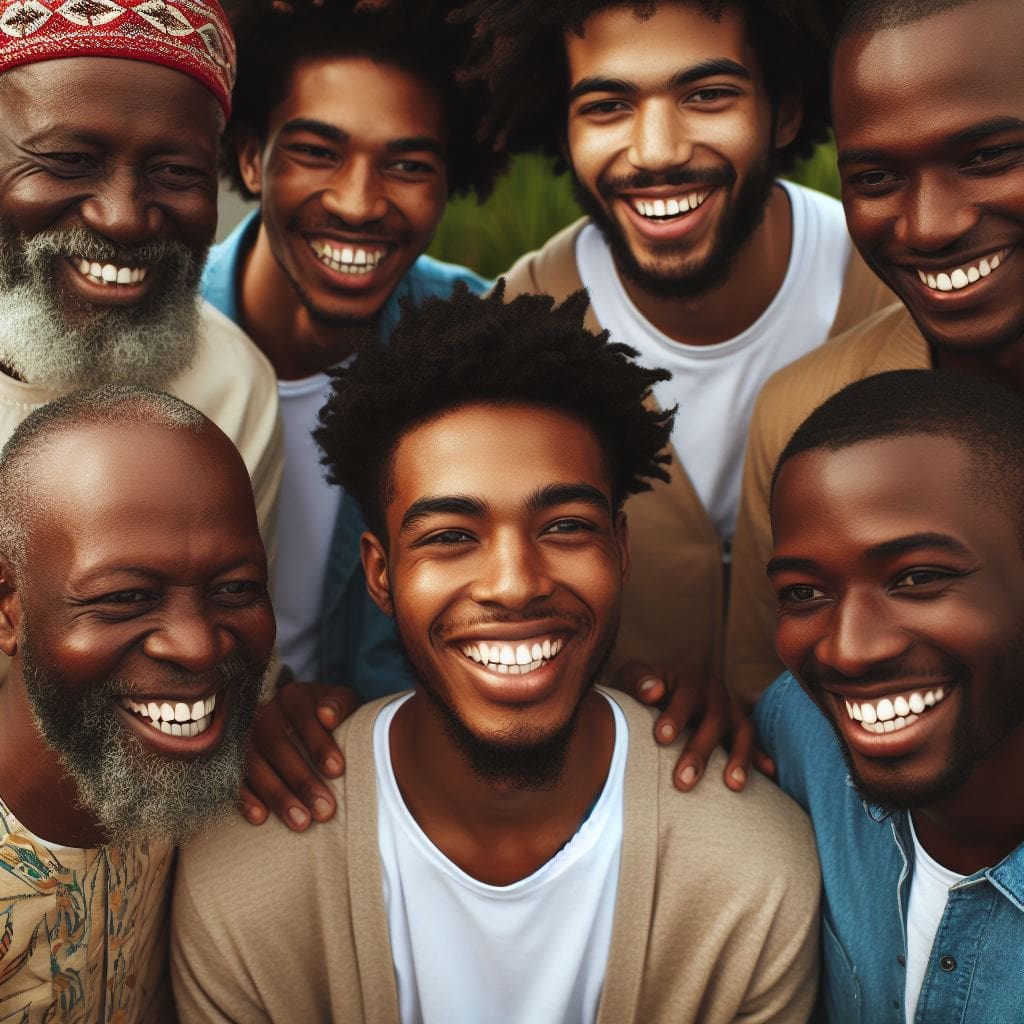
716,917
674,605
889,340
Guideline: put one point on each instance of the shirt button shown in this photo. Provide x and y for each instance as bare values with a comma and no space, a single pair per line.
947,963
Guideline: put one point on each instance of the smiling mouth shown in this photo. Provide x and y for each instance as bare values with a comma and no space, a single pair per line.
957,278
349,259
889,714
174,719
514,659
661,210
108,273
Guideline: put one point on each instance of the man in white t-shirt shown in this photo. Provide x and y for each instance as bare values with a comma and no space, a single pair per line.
508,847
898,566
675,122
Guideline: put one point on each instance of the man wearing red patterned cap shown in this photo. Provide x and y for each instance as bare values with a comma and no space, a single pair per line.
110,115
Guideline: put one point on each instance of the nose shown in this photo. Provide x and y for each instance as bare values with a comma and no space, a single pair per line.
355,194
190,637
512,574
120,209
934,215
658,140
860,636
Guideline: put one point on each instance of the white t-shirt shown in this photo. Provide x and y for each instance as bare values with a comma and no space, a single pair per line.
929,891
715,385
533,952
307,508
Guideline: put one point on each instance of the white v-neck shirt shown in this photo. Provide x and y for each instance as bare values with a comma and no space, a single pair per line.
465,952
715,385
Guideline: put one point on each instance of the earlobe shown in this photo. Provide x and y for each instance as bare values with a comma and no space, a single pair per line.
375,567
789,115
622,539
250,165
10,611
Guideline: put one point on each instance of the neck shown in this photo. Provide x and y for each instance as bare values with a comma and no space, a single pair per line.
276,319
496,833
755,278
1004,365
977,826
33,783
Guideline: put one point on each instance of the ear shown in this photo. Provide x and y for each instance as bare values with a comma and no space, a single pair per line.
10,611
375,567
622,539
789,115
250,163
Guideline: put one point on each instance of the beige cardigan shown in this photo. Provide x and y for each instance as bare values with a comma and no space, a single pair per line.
673,609
716,917
889,340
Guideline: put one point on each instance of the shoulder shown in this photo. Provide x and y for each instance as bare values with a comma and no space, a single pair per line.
428,277
550,270
217,284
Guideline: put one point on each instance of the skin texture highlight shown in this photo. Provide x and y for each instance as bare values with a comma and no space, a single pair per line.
894,576
338,171
929,120
144,576
501,531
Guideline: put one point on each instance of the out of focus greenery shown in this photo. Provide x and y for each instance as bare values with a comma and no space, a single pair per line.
530,204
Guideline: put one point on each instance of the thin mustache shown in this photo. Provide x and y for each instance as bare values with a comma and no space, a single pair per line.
84,244
610,187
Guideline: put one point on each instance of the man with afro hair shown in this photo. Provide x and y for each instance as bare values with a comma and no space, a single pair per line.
675,119
508,845
349,129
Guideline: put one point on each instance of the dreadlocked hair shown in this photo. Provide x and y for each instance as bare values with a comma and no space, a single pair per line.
273,37
518,53
464,350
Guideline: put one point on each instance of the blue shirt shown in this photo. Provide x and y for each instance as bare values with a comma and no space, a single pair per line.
358,645
975,974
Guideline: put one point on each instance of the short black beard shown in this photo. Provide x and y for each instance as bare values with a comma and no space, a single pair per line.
739,222
970,742
133,793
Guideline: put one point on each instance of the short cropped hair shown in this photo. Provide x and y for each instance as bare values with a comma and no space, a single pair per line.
453,352
986,418
866,16
519,53
413,37
120,405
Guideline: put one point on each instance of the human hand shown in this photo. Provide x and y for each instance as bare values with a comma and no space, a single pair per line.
688,697
300,717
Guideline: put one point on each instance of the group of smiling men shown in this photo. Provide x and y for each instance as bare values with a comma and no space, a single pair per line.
714,429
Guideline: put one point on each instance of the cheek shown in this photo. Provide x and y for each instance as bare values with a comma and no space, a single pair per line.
868,221
795,639
592,148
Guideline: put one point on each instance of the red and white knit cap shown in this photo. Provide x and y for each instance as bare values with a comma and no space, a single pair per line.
192,36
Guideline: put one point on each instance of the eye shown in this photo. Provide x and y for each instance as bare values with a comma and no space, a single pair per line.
569,527
180,175
239,592
995,158
876,182
800,593
125,597
311,151
69,165
420,168
712,94
916,578
603,108
448,538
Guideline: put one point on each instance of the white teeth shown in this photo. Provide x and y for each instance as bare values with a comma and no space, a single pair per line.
517,660
672,207
109,273
537,651
508,656
124,275
546,649
197,710
962,277
984,269
96,270
182,712
995,261
959,279
885,715
973,274
868,713
669,207
901,707
523,655
944,283
916,703
348,259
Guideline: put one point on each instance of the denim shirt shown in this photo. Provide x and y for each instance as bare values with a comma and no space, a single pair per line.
975,974
358,645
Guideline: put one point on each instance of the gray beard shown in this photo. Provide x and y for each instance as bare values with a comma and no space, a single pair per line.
149,344
134,793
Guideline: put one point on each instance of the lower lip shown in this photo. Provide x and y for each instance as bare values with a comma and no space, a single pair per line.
670,230
97,294
181,747
340,281
900,742
962,297
504,688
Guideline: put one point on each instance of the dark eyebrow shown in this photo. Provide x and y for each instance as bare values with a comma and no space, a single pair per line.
327,131
417,144
564,494
694,73
915,541
991,127
450,504
861,156
782,564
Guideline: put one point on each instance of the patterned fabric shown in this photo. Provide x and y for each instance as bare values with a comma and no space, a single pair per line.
191,36
83,933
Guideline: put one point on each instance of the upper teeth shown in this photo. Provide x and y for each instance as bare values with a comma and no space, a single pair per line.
669,207
961,277
514,660
348,259
888,715
178,719
108,273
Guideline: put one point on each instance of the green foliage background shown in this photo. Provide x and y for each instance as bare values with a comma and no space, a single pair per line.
530,204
